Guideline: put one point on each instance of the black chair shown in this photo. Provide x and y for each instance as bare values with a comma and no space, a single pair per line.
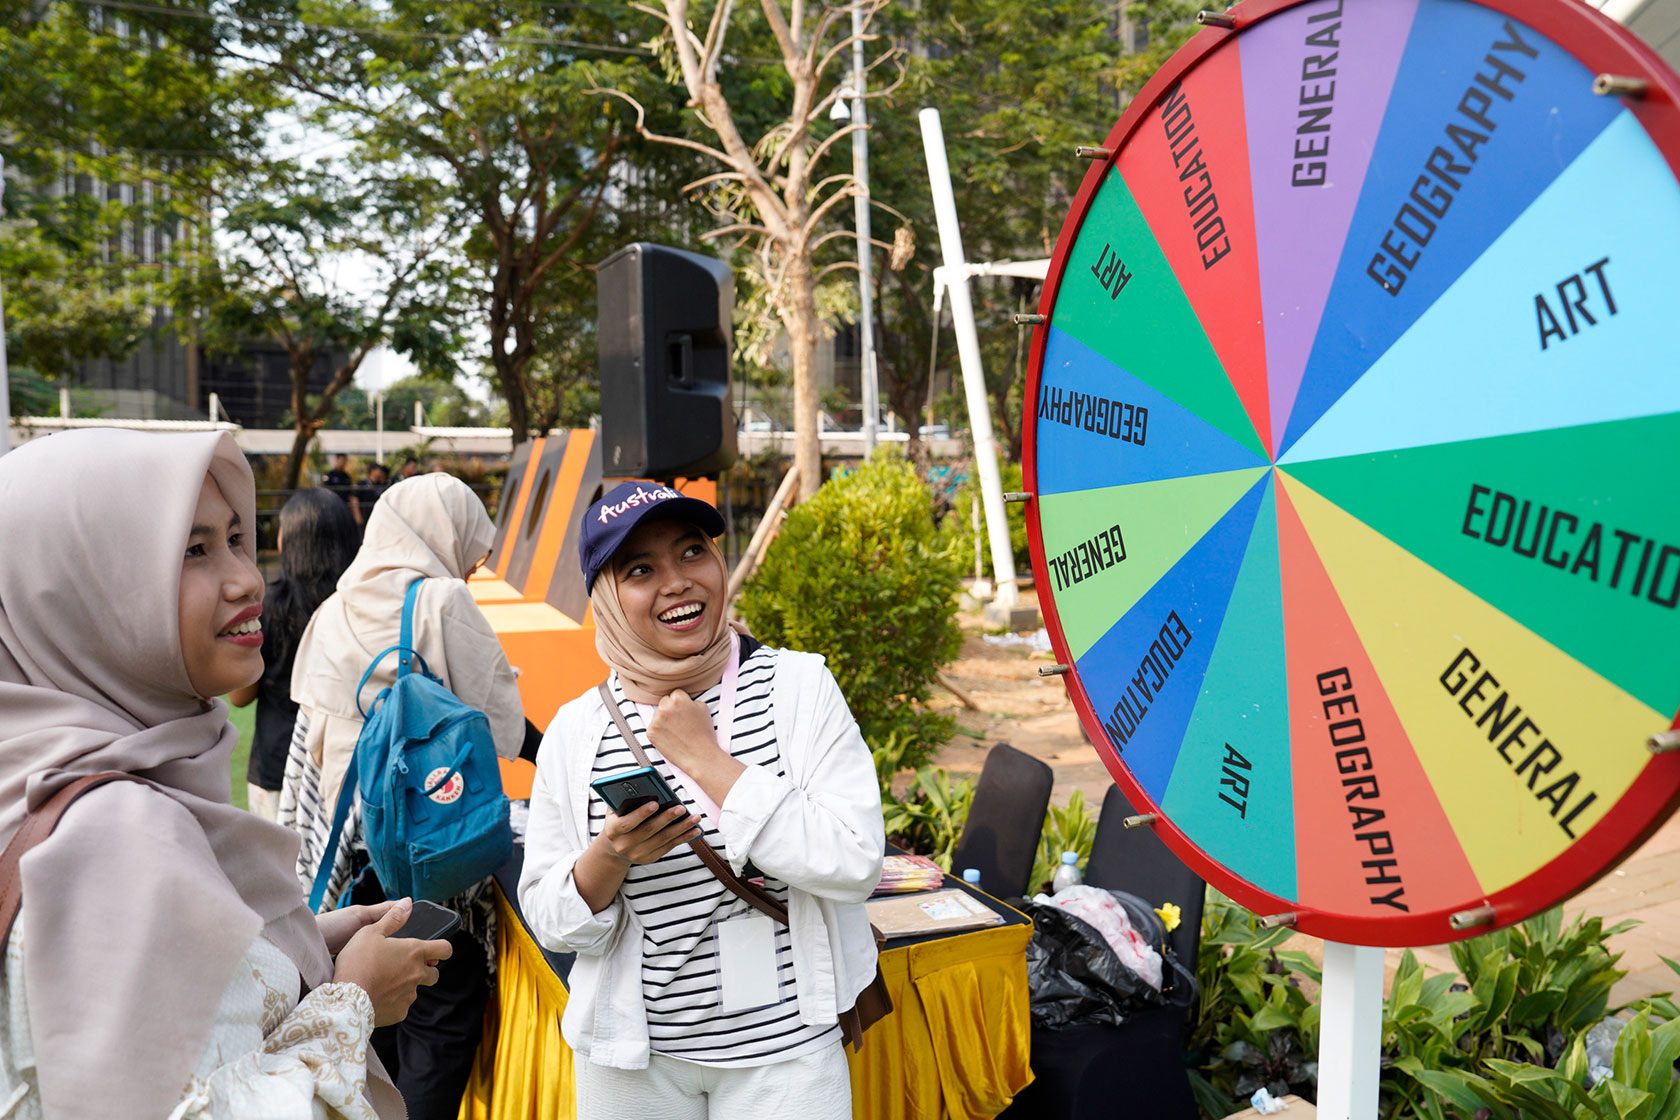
1136,861
1005,821
1088,1070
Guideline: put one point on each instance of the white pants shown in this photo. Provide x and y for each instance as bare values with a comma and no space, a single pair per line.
815,1087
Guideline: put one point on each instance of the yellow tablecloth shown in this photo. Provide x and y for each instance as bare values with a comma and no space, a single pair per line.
954,1048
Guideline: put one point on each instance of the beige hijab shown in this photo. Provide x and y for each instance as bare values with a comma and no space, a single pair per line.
647,675
430,525
141,906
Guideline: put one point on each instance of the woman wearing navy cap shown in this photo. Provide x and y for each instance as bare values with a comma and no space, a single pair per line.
686,1000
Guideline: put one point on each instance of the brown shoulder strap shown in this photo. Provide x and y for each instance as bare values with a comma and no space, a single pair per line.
37,826
754,896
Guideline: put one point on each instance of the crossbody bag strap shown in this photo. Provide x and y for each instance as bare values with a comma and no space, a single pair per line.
329,854
37,826
756,897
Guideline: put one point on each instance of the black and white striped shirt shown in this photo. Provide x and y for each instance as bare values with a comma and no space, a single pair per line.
679,903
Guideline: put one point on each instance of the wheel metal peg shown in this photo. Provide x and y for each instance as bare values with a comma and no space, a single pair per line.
1017,495
1606,84
1470,919
1664,741
1053,670
1273,921
1140,820
1091,151
1023,319
1215,19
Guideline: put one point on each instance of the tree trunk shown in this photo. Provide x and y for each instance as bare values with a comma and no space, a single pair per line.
513,391
300,448
802,346
301,361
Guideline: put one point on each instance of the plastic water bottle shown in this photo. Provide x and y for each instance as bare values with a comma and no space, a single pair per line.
971,876
1067,875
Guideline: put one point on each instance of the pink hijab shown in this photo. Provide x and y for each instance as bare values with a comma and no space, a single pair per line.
140,907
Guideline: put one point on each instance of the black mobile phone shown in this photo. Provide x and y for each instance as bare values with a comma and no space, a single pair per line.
629,790
429,922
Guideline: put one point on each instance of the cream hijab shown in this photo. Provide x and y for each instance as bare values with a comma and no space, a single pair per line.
431,525
141,906
646,675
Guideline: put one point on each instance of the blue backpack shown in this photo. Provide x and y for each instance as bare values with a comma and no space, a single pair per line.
434,818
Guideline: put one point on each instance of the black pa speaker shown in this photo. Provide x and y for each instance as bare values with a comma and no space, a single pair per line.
665,319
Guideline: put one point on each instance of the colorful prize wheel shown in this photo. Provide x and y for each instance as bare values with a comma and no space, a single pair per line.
1356,458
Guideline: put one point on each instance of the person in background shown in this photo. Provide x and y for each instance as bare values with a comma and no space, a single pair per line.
318,539
433,528
410,468
773,777
164,962
378,478
339,481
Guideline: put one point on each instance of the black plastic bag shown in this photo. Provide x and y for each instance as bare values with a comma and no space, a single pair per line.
1075,977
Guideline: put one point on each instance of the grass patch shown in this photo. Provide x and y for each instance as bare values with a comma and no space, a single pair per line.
244,721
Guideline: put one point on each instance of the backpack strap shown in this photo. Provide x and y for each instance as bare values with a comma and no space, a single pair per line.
346,797
405,641
750,893
37,826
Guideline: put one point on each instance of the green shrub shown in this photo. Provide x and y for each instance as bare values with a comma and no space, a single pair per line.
961,520
929,818
1070,829
861,575
1641,1084
1253,1025
1452,1045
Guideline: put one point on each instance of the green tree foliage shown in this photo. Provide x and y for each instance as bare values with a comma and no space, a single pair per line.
117,124
1017,87
488,99
445,405
30,394
761,79
278,271
861,575
64,307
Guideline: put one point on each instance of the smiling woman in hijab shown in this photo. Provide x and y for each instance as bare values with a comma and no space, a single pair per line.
156,965
686,1000
430,527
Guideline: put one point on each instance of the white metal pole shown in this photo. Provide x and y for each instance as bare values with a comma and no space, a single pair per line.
1350,1032
968,353
379,425
860,205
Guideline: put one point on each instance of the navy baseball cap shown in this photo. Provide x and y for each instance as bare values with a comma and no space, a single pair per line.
626,506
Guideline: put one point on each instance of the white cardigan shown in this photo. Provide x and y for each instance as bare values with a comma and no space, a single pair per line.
819,830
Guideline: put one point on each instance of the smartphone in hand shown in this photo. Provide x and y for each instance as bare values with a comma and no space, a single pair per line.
629,790
429,922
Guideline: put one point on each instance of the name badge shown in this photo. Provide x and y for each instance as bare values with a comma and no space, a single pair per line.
747,962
